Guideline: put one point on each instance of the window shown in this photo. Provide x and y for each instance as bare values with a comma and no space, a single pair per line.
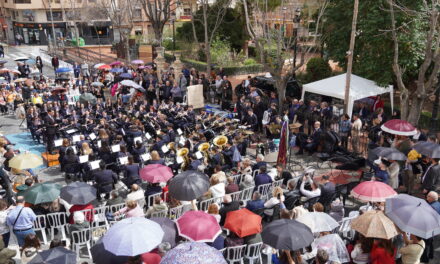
28,15
101,31
137,13
187,11
22,1
57,16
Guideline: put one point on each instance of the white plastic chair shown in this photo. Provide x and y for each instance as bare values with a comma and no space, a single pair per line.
175,212
237,178
141,202
264,190
235,254
114,208
246,194
57,221
81,239
203,206
253,252
152,197
99,217
40,225
236,196
278,183
162,213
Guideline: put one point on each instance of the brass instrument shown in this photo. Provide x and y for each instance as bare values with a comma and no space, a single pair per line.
203,148
183,152
274,128
220,141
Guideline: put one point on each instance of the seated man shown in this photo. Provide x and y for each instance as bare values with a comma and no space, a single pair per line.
256,202
312,143
228,206
328,190
262,178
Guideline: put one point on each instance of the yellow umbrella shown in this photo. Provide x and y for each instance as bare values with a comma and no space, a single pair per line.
25,161
375,224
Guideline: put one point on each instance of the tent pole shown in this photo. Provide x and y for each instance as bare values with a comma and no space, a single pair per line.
350,56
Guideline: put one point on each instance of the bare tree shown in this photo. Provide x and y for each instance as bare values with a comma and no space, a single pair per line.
120,13
273,45
214,12
412,100
159,13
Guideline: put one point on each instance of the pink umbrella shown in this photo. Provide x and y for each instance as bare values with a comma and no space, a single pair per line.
399,127
156,173
115,63
373,191
137,62
198,226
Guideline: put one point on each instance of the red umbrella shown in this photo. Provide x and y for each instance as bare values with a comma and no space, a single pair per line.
156,173
59,90
104,67
373,191
198,226
243,222
399,127
115,63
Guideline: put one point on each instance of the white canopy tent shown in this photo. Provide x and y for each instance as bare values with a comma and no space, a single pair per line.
359,88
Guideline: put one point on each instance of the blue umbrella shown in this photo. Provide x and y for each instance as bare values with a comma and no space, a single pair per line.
126,75
413,215
133,236
30,61
61,70
194,253
116,70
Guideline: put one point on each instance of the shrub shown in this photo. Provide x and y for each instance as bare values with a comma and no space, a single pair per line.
249,61
318,69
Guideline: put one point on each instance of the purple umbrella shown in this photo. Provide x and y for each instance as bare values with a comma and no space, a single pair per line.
137,62
126,75
169,228
194,253
413,215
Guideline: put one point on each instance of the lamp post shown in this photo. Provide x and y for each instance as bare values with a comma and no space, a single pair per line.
296,21
53,26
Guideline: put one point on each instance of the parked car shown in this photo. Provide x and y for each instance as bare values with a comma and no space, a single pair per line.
266,83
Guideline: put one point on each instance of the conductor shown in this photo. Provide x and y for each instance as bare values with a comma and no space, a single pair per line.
51,130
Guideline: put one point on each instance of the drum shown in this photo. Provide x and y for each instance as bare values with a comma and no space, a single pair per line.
209,134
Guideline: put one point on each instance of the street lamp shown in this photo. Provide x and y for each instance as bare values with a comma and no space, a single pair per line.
296,20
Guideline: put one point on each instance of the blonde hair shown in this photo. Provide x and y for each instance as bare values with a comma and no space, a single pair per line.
277,191
155,155
131,204
86,148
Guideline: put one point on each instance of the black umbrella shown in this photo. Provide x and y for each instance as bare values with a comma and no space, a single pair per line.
78,193
169,228
388,153
101,256
57,255
189,185
429,149
287,234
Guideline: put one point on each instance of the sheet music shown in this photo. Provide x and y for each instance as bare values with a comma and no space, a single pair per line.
145,156
74,149
116,148
123,131
148,136
76,138
123,160
179,131
136,139
83,158
92,136
179,160
199,155
94,164
58,142
71,131
99,143
164,149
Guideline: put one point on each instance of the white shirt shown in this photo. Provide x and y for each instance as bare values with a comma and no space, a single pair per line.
357,125
4,228
309,194
139,194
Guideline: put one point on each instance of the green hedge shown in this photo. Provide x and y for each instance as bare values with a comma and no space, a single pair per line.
231,70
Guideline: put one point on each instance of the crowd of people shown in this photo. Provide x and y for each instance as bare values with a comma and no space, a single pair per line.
107,138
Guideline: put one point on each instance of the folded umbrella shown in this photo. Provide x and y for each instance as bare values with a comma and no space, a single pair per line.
373,191
56,255
194,253
198,226
45,192
399,127
155,173
102,256
243,222
25,161
78,193
318,222
413,215
133,236
169,228
375,224
287,234
188,185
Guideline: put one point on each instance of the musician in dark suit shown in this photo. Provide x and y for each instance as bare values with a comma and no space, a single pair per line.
251,120
104,179
311,145
51,130
131,173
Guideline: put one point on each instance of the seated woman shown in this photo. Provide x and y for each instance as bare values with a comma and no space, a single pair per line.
158,206
277,199
217,188
131,173
309,194
155,158
131,209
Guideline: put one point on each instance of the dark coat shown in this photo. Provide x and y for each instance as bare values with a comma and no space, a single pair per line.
104,180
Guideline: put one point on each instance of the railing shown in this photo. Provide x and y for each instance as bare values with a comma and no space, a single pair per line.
88,55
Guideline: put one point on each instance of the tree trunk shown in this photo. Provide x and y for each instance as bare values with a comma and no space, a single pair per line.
158,35
208,59
207,41
127,48
280,82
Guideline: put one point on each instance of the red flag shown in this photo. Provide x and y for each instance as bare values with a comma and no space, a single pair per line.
284,141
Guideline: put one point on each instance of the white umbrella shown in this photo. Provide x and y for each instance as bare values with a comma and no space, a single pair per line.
130,83
318,222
